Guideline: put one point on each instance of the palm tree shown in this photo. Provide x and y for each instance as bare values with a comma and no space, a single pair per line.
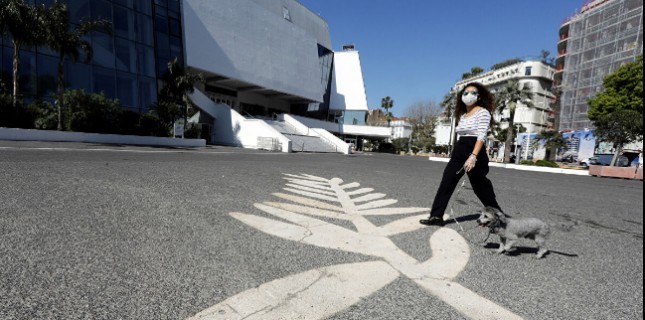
67,40
507,98
553,140
23,23
179,84
387,103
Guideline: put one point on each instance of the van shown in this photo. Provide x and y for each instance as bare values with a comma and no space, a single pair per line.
605,160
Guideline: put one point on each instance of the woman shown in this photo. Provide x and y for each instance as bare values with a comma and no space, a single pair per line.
475,106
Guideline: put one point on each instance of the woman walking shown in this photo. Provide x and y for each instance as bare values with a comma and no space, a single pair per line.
475,106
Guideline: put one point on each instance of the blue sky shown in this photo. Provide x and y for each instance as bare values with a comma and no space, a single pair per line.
415,50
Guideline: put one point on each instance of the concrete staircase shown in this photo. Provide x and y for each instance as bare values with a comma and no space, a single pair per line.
301,142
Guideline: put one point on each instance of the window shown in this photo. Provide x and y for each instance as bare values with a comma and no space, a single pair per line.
528,71
127,90
144,29
125,55
104,82
124,23
103,49
145,60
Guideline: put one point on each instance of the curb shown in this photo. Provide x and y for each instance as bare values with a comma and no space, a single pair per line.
525,167
14,134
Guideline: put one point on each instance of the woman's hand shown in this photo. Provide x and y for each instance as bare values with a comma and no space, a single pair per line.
470,163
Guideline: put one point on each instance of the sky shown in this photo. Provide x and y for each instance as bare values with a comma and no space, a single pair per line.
416,50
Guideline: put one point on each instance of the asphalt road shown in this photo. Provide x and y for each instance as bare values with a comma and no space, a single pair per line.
121,232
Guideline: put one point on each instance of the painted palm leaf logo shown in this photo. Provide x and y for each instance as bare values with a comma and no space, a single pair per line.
320,293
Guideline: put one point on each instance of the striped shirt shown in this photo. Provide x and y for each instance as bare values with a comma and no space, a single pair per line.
475,125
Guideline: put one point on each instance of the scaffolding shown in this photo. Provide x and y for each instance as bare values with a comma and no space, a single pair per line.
605,35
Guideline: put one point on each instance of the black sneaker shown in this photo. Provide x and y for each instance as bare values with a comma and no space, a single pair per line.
432,221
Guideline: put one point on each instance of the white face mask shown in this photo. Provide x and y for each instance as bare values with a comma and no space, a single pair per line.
469,99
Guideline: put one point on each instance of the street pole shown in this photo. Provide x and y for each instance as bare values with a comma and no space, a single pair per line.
528,141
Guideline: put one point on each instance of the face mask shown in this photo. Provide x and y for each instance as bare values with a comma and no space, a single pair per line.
469,99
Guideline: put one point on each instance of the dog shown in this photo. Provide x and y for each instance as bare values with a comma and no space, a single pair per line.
510,230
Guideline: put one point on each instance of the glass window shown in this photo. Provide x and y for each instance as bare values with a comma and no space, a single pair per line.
528,71
126,56
78,10
163,46
103,81
161,24
47,75
7,62
78,76
27,81
145,60
103,49
143,6
126,86
144,29
174,5
126,3
100,9
162,66
124,23
147,93
162,3
176,48
175,27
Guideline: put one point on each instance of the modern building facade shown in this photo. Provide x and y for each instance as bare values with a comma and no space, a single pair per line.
260,59
604,35
125,65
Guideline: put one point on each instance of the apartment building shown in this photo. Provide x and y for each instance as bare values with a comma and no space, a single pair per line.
594,42
537,75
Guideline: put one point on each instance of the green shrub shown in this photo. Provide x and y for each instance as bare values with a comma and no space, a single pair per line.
45,116
193,131
91,112
19,116
546,163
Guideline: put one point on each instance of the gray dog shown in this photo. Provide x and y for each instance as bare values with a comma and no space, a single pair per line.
510,230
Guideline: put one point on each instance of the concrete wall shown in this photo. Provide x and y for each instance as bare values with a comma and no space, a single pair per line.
251,41
348,87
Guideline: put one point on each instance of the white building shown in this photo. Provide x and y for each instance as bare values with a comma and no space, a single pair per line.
272,78
536,74
401,129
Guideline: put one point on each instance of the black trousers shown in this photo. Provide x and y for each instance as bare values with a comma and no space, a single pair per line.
452,174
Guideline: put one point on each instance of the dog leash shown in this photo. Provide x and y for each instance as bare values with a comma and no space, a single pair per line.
452,213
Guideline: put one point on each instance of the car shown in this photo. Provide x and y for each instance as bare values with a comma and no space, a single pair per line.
605,160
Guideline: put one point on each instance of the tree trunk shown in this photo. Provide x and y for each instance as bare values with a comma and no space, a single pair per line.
61,89
16,74
615,158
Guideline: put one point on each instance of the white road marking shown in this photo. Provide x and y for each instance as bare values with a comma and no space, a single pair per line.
315,294
293,297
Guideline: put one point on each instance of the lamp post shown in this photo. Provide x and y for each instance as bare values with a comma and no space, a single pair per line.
528,139
517,140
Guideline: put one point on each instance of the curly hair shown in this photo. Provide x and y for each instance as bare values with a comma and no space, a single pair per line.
485,100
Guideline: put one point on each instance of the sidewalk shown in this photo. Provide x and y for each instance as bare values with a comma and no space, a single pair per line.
525,167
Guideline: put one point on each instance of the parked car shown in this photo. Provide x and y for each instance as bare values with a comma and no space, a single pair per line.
605,160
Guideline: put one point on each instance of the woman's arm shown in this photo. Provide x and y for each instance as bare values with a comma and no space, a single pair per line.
483,122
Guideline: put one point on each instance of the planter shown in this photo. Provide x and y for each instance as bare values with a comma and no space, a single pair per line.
613,172
639,174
